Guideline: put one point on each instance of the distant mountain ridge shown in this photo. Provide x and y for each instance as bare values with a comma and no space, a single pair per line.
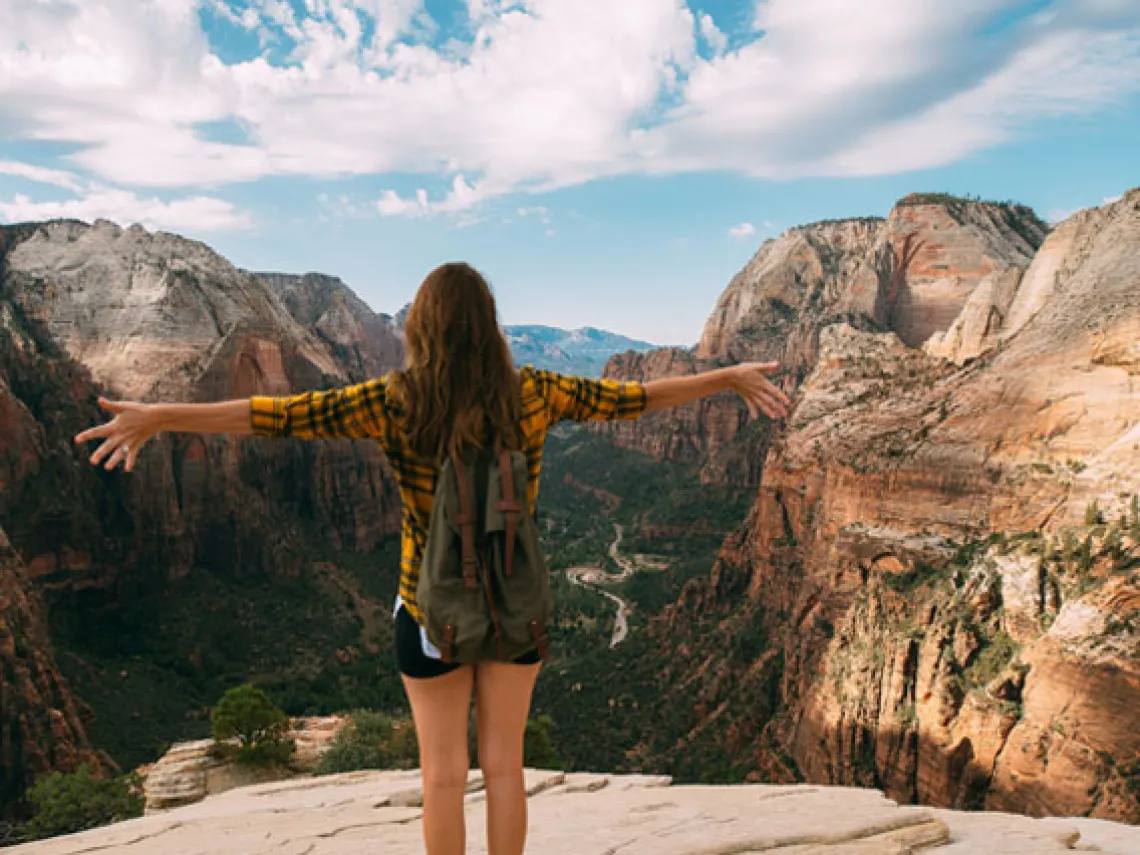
583,351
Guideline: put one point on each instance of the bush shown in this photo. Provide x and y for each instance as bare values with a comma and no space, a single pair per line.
247,715
68,803
538,750
998,651
371,740
1092,513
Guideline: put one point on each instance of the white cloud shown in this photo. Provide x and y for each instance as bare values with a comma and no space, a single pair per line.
714,38
742,231
391,204
550,233
193,214
462,197
545,93
58,177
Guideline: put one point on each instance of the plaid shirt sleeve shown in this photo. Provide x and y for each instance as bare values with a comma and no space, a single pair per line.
355,412
584,400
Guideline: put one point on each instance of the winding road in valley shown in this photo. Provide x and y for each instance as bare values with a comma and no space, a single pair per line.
592,577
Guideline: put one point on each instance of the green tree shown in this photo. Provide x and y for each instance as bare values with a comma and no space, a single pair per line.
538,750
1068,546
247,715
1085,563
67,803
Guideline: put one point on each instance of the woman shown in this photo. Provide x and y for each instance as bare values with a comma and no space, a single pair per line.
459,391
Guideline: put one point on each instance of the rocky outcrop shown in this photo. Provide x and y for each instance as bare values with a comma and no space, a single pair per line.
158,317
938,270
41,729
190,771
365,344
944,562
147,313
966,259
588,814
714,433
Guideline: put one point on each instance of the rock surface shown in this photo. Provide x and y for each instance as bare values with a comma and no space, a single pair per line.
131,314
89,310
189,771
585,814
41,729
937,271
943,563
366,344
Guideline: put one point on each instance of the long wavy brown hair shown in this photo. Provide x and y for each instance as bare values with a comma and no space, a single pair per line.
460,389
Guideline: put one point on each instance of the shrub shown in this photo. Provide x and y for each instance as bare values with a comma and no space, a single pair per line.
247,715
1086,557
371,740
67,803
1092,513
997,653
538,750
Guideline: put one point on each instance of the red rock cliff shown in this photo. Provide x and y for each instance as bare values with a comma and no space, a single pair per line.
97,309
40,725
914,273
943,560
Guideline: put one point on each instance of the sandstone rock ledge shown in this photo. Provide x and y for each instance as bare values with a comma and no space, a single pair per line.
584,814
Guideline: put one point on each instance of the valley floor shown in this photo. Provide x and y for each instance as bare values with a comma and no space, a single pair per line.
587,814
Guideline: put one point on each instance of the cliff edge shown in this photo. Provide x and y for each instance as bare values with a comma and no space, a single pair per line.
587,814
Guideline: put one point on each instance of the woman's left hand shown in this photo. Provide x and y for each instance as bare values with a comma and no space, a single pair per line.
125,435
750,381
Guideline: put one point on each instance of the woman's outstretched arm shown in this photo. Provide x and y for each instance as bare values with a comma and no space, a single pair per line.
134,424
351,411
749,380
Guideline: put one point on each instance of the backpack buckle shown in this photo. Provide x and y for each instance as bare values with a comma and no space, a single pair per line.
447,648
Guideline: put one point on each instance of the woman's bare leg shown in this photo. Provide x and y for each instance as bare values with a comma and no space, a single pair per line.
441,706
502,703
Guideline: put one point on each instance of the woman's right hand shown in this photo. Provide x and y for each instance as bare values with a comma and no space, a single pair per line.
125,435
750,381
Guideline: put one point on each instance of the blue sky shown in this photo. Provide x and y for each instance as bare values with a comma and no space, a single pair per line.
605,163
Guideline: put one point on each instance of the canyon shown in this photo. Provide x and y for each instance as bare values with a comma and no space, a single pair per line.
943,559
935,592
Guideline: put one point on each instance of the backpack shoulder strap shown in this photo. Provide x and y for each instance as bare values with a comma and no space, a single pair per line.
510,506
466,521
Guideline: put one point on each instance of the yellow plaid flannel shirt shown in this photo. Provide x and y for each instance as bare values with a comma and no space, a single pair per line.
367,411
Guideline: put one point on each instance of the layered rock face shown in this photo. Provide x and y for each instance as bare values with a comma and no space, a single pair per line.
88,310
967,259
366,344
157,317
944,560
938,271
41,729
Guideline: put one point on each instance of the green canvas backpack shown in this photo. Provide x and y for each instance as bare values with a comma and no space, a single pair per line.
483,587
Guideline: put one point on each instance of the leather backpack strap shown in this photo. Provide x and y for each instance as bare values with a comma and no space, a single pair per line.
466,521
510,506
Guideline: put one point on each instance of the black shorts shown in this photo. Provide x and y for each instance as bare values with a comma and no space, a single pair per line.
413,662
